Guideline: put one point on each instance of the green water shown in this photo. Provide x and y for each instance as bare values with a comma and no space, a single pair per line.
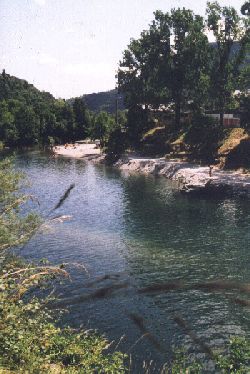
140,231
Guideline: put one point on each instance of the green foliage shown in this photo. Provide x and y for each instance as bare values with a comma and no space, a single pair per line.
203,137
245,9
31,342
29,116
168,64
237,357
154,141
23,110
244,104
181,364
116,139
102,125
13,229
82,118
116,144
102,101
138,123
173,64
227,27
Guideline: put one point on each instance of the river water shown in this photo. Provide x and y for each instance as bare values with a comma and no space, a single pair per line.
134,231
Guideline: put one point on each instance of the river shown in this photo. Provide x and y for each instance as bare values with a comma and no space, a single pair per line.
134,231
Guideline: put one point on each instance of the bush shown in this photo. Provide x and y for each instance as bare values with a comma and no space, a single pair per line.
116,145
236,359
203,136
30,341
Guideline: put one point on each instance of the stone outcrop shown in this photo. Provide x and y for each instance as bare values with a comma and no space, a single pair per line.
191,178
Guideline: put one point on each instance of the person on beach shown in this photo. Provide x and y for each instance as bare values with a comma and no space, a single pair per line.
210,170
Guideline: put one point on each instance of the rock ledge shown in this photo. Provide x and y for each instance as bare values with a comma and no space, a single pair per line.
191,178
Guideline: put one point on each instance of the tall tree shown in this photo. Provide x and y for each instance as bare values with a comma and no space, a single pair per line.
189,60
102,125
227,27
168,64
82,119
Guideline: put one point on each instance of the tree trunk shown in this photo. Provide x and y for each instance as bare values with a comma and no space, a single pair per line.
177,112
221,108
221,118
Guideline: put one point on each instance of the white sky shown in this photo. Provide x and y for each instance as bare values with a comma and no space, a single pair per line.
72,47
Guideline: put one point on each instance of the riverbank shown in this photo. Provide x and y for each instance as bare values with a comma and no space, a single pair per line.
190,177
77,150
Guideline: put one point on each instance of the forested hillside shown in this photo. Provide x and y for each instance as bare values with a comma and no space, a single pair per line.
29,116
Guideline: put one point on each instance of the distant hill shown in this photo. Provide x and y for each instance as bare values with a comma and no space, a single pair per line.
29,116
103,101
19,89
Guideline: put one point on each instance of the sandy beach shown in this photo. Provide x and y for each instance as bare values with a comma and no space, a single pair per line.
77,150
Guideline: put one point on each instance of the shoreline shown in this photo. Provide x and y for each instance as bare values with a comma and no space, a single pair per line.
77,150
190,177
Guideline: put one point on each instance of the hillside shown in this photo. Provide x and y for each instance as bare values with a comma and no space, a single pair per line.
105,101
29,116
19,89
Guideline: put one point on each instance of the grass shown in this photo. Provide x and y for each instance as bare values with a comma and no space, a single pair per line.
232,140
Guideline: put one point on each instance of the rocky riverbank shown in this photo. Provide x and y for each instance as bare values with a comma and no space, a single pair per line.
191,178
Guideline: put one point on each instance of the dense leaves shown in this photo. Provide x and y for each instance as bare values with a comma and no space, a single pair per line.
30,342
29,116
173,68
227,28
14,230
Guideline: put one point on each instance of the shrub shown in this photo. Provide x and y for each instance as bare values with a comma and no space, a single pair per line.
30,340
